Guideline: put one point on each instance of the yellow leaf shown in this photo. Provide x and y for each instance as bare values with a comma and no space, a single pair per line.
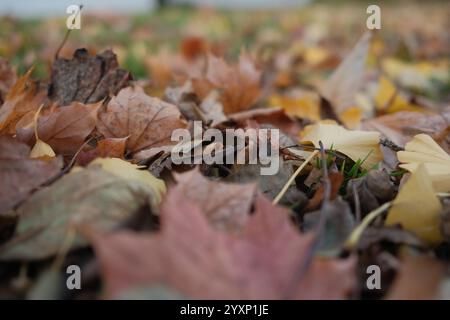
423,149
41,150
417,208
357,145
305,107
388,99
128,170
351,117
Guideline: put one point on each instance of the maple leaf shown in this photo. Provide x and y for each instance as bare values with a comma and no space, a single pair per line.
232,202
7,78
200,263
22,99
109,147
65,128
239,84
85,78
146,121
20,175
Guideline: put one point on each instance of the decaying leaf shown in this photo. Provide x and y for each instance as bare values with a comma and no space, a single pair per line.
239,84
64,129
106,148
422,149
7,78
85,78
197,261
417,208
357,145
90,196
226,205
131,171
340,89
146,121
23,98
19,174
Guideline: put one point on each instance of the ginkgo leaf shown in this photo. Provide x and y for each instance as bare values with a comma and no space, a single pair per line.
422,149
128,170
146,121
357,145
388,98
42,150
417,207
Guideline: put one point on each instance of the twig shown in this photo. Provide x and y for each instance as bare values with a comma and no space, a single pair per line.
308,258
353,239
292,178
357,203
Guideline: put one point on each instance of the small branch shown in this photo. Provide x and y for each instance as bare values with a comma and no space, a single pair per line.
292,178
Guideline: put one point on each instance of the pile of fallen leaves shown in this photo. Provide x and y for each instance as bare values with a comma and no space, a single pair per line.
86,175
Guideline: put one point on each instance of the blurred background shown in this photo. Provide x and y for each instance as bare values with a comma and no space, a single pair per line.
303,40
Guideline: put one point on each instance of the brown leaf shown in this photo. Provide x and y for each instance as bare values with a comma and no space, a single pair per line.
86,78
22,99
7,78
239,84
64,129
226,205
336,179
401,127
192,258
419,279
106,148
20,175
147,121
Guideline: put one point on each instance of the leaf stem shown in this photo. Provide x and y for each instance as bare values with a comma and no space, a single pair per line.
292,178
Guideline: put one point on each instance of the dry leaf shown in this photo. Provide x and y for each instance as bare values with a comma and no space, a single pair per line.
127,170
357,145
226,205
417,208
147,122
341,87
422,149
20,175
85,78
106,148
23,98
7,78
197,261
64,128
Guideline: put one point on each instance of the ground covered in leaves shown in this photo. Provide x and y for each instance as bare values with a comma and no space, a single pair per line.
87,178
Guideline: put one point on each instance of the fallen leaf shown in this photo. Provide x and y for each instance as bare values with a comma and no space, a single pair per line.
7,78
357,145
20,175
126,170
232,202
388,99
341,87
106,148
65,128
419,278
422,149
401,127
239,84
23,98
85,78
192,258
92,196
147,122
417,208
